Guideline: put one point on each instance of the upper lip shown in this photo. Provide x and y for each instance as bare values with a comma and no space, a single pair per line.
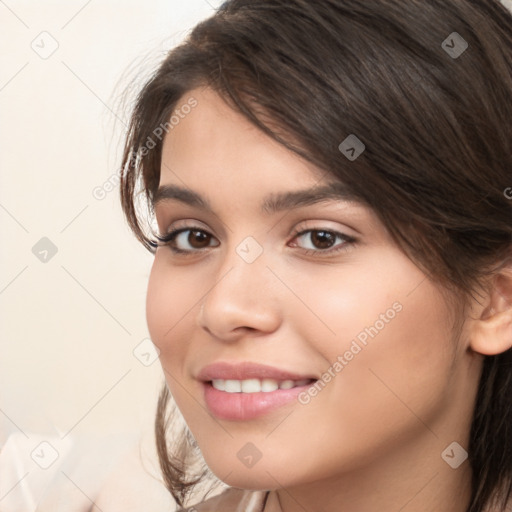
247,370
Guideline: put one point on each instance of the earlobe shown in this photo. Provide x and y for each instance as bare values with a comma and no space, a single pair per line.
491,333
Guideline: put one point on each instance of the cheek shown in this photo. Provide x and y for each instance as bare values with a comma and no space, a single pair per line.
345,302
402,370
386,342
385,304
170,297
157,297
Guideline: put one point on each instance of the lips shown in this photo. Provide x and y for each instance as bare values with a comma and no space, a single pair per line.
246,391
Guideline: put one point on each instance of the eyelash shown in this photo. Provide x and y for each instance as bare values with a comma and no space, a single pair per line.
169,239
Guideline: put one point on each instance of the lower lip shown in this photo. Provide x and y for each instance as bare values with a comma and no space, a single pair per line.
247,406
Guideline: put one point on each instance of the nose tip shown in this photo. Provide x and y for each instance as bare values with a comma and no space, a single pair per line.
240,302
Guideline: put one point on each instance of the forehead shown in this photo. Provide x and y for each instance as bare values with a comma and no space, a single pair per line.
214,142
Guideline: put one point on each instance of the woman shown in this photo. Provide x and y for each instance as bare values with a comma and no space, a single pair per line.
328,190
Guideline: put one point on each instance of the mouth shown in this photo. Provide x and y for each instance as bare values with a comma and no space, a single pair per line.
243,391
249,399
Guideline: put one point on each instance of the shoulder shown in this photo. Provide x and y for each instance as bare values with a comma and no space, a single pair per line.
231,500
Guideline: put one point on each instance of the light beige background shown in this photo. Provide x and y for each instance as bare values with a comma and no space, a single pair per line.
69,326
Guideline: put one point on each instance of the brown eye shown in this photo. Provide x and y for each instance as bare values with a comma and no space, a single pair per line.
198,239
187,240
323,241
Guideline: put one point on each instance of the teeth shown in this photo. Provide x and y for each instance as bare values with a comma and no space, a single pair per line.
256,385
286,384
219,384
251,386
268,385
232,386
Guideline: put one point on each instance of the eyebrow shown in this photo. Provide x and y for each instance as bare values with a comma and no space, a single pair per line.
273,203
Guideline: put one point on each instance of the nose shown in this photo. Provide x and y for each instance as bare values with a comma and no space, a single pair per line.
243,298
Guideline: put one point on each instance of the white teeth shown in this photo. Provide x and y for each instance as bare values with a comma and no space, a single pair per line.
232,386
219,384
251,386
255,385
268,385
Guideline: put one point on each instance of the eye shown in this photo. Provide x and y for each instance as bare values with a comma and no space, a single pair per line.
178,239
323,241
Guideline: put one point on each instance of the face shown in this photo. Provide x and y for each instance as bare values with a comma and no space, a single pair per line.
312,298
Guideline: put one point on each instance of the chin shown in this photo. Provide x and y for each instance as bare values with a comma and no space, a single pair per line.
260,477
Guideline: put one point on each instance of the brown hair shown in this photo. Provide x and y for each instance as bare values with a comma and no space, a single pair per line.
437,128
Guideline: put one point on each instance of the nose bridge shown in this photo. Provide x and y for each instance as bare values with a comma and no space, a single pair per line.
242,295
244,267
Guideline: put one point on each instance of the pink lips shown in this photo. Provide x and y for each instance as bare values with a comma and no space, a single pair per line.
247,370
247,406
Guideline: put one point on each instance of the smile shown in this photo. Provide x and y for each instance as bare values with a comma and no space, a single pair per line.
242,391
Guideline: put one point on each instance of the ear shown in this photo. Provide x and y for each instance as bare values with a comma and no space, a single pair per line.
491,331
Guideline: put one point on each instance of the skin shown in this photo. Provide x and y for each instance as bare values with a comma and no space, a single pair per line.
372,439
